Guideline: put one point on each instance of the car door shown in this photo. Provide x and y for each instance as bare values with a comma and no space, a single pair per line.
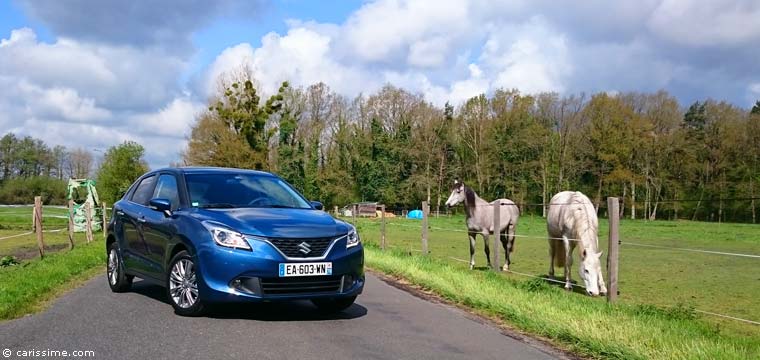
132,214
158,228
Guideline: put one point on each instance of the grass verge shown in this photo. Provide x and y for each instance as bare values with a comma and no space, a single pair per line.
28,287
586,326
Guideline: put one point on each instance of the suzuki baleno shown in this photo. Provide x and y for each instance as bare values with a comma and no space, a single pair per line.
215,235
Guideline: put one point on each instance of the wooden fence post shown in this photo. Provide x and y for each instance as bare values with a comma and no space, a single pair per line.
105,220
34,218
496,235
354,210
88,212
425,215
613,249
38,224
336,211
71,224
382,227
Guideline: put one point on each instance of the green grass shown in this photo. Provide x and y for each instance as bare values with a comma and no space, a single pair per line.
26,288
663,278
20,218
583,325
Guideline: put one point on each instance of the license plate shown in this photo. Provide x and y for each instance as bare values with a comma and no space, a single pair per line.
306,269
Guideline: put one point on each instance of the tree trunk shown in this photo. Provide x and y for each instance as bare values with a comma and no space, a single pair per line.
633,200
653,215
752,195
675,206
440,183
598,194
696,209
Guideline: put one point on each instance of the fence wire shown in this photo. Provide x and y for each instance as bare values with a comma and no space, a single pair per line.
627,243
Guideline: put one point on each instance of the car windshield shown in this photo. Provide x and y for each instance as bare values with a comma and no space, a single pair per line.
231,190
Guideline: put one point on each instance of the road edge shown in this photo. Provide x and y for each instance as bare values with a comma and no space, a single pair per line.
540,343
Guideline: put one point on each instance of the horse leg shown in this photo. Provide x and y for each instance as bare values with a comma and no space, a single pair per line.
505,245
487,248
552,244
568,263
602,286
509,234
472,250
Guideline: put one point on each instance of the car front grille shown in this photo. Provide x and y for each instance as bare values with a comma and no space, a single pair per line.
300,285
302,248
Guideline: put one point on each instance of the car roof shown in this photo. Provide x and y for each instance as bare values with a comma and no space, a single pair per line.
211,170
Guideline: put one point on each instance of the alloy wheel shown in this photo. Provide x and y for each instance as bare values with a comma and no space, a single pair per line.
113,266
183,287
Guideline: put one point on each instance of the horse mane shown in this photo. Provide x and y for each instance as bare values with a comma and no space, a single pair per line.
469,195
583,222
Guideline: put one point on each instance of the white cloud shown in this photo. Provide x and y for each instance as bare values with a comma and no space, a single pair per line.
708,23
93,95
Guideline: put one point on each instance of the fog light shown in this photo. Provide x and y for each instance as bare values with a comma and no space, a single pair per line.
348,282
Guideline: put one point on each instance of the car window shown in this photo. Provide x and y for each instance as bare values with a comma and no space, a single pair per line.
166,188
242,190
142,194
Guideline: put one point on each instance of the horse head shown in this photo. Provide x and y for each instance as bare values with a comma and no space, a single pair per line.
591,271
457,194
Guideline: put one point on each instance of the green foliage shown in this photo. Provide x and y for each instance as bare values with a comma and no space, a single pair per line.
8,260
395,148
240,109
122,165
23,190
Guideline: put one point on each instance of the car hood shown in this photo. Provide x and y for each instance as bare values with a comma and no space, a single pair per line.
269,222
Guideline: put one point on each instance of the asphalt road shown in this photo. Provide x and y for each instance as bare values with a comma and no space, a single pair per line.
385,323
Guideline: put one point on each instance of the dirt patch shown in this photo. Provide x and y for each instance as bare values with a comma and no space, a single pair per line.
27,253
540,343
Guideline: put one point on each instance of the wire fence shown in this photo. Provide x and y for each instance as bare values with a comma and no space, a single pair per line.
622,242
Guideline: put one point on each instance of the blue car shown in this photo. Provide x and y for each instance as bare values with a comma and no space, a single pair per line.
216,235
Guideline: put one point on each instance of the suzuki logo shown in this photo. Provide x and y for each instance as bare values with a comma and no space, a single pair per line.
304,248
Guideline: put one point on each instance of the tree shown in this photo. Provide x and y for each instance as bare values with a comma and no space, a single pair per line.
80,163
756,109
122,165
240,109
212,143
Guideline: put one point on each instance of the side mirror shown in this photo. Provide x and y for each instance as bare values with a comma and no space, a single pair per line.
162,205
317,205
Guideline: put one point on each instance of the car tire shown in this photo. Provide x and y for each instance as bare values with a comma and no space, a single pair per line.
118,280
333,305
182,286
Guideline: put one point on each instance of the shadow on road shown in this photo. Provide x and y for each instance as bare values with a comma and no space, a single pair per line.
274,311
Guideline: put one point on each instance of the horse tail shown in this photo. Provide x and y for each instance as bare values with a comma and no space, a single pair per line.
558,248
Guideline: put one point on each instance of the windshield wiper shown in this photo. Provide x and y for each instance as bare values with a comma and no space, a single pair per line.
279,206
218,206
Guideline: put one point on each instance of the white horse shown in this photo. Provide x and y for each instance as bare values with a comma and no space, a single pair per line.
572,218
479,215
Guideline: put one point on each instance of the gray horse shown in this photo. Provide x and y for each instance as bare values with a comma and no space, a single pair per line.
480,220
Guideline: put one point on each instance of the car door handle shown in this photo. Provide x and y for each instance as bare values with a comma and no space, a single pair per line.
142,219
120,213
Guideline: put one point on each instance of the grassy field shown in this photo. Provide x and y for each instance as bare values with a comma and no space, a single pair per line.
28,286
580,324
663,278
20,217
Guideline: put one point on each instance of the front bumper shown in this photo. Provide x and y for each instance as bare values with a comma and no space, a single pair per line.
234,275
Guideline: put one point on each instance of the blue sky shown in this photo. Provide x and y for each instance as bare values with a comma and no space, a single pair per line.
91,74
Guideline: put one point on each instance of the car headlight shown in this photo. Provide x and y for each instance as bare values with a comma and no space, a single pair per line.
352,239
226,237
